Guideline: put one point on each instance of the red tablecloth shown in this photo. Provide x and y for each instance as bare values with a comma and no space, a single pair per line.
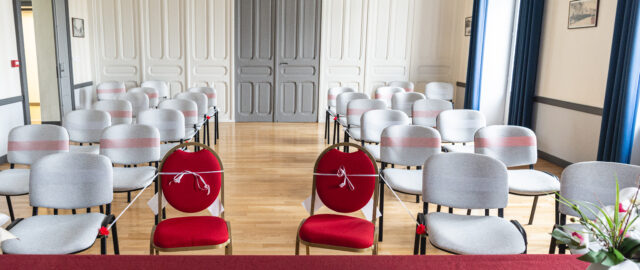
560,262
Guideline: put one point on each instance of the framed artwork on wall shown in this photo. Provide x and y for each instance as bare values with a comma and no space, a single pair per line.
583,13
467,26
77,27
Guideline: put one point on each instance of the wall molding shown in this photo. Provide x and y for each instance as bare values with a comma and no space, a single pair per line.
553,159
569,105
83,85
11,100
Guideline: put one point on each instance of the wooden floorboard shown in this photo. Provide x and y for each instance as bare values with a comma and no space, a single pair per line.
268,173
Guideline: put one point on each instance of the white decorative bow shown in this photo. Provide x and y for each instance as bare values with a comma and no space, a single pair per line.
202,185
342,172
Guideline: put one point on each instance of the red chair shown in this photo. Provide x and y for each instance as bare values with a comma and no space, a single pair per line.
343,195
191,194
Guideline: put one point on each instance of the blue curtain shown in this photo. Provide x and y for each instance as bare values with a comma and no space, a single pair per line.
525,65
476,48
621,99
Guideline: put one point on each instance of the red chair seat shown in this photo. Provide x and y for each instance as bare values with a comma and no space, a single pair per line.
191,232
338,230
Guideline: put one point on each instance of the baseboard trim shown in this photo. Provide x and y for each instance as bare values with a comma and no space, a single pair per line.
553,159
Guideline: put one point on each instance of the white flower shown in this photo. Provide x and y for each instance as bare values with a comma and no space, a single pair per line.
3,219
627,194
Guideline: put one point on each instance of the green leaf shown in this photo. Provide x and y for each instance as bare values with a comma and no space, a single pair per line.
593,256
629,246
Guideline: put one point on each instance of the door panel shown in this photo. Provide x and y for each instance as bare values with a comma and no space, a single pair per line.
254,60
63,53
297,60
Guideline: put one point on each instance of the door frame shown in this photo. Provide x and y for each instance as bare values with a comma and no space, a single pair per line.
17,17
66,18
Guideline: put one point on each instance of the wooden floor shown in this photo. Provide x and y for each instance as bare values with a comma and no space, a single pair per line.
268,173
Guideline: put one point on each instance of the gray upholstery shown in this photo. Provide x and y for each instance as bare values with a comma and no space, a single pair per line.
169,122
121,111
61,234
342,101
386,93
110,90
532,182
513,145
474,234
594,182
131,144
188,108
126,179
459,148
71,181
459,125
139,102
355,133
151,93
85,126
201,100
374,150
375,121
403,101
212,96
408,145
356,108
14,182
407,181
425,111
161,86
32,142
439,90
89,149
407,86
466,181
333,93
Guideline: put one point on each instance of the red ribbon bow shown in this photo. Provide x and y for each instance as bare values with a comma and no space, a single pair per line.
208,117
421,229
335,118
104,231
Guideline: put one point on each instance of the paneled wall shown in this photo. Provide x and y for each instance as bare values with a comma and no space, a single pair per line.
186,43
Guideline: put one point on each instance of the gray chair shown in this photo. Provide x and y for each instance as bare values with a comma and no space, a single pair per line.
408,146
406,85
374,122
386,93
458,127
481,183
189,110
439,90
139,102
403,101
202,104
342,101
426,111
170,124
517,146
121,111
85,127
355,110
330,112
66,181
212,101
160,86
151,93
26,145
110,90
591,182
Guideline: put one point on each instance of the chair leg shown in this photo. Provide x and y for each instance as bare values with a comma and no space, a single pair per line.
73,211
150,248
552,246
416,242
335,123
468,212
101,209
129,197
381,226
423,245
346,139
217,127
326,124
533,209
307,250
55,212
297,245
417,198
116,245
103,245
13,217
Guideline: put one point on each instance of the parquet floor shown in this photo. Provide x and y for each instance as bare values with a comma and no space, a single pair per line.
268,168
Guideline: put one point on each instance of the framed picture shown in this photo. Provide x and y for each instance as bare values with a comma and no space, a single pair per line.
583,13
467,26
77,27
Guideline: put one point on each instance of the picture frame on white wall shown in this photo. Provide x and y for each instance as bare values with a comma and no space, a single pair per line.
467,26
77,27
583,14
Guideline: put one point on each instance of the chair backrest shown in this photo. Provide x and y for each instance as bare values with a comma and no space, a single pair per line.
189,195
403,101
408,145
71,181
188,108
459,126
343,100
466,181
161,86
151,93
344,199
86,126
333,93
210,92
131,144
356,108
425,111
121,111
139,102
513,145
407,86
200,99
110,90
439,90
32,142
386,93
169,122
375,121
595,182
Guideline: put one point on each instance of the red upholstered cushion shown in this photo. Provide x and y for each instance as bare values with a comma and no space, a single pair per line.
185,196
191,232
343,199
337,230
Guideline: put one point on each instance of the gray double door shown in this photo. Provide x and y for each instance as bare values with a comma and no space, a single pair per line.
277,60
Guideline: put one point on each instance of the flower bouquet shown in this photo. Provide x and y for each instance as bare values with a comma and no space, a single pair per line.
612,240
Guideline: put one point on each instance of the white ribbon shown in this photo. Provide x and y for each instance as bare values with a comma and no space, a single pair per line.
216,208
342,172
200,183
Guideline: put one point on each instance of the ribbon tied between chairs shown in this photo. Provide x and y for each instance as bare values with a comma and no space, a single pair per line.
200,183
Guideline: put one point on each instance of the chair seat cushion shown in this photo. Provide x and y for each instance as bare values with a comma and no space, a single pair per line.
355,132
374,150
127,179
338,230
61,234
474,234
14,182
407,181
532,182
91,149
459,148
165,147
191,232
